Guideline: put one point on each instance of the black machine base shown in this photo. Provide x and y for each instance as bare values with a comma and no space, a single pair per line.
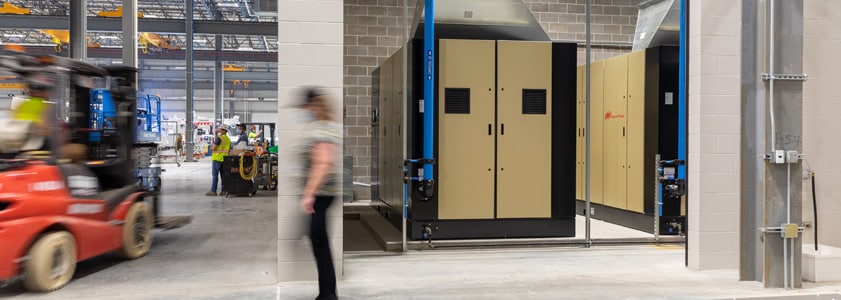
481,229
669,225
492,228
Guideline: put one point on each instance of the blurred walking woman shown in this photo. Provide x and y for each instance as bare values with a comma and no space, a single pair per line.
321,187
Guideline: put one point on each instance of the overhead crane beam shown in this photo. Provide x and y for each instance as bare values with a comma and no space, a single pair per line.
144,25
198,55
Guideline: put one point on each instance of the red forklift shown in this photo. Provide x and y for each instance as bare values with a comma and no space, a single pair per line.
55,213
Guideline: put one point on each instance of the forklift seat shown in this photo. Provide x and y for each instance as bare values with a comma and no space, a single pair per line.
113,173
114,197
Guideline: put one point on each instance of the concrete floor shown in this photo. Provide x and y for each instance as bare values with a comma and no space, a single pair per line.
627,272
230,251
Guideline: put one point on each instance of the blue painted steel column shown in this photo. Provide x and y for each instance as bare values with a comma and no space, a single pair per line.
429,88
681,123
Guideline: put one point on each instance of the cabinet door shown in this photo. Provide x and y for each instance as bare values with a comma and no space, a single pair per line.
636,131
615,131
396,168
596,132
524,157
385,163
579,136
466,131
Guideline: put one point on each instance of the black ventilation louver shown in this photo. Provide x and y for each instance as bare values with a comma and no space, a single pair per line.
456,101
534,102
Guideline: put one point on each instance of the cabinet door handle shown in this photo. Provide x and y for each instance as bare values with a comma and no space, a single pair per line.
502,130
489,128
623,131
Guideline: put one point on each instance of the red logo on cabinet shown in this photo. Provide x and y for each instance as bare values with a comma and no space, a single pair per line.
610,115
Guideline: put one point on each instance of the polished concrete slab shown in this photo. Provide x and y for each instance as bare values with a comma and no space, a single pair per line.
605,272
229,251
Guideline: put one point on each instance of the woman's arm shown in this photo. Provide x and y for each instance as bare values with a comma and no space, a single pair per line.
323,155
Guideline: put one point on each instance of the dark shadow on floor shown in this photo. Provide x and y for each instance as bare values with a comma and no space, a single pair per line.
357,237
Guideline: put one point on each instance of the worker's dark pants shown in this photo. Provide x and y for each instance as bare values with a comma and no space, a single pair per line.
217,172
321,248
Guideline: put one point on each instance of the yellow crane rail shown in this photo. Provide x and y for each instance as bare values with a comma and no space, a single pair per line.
154,39
233,68
62,37
11,9
116,13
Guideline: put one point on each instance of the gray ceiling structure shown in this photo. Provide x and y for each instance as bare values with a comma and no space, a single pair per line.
228,31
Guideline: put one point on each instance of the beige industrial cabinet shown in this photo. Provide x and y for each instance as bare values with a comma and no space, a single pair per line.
476,182
633,117
390,164
504,117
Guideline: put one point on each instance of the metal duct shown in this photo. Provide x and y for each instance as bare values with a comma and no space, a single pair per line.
658,23
481,19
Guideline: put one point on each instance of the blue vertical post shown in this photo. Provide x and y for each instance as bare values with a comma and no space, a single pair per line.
681,102
681,123
428,87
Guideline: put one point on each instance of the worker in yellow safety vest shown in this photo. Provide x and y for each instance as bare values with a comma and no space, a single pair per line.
35,108
221,146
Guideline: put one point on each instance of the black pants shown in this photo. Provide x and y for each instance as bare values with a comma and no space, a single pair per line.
321,248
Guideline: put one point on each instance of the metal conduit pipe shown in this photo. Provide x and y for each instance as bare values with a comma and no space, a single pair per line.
815,210
787,260
771,79
587,52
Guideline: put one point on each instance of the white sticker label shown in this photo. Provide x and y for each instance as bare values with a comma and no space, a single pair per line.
420,172
45,186
84,208
420,107
670,98
82,186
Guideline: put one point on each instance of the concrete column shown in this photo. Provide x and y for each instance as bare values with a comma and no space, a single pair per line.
714,89
130,33
218,83
772,117
78,29
310,43
188,133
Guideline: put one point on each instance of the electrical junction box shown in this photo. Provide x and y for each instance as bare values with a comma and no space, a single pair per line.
779,157
790,231
792,157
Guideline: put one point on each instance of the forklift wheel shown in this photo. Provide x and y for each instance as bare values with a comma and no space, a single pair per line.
137,231
52,261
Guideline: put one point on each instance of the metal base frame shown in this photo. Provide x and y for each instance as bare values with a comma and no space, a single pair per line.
631,219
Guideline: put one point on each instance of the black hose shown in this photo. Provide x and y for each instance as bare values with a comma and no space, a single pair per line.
815,210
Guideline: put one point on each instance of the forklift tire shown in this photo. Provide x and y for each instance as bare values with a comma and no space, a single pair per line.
51,263
137,231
